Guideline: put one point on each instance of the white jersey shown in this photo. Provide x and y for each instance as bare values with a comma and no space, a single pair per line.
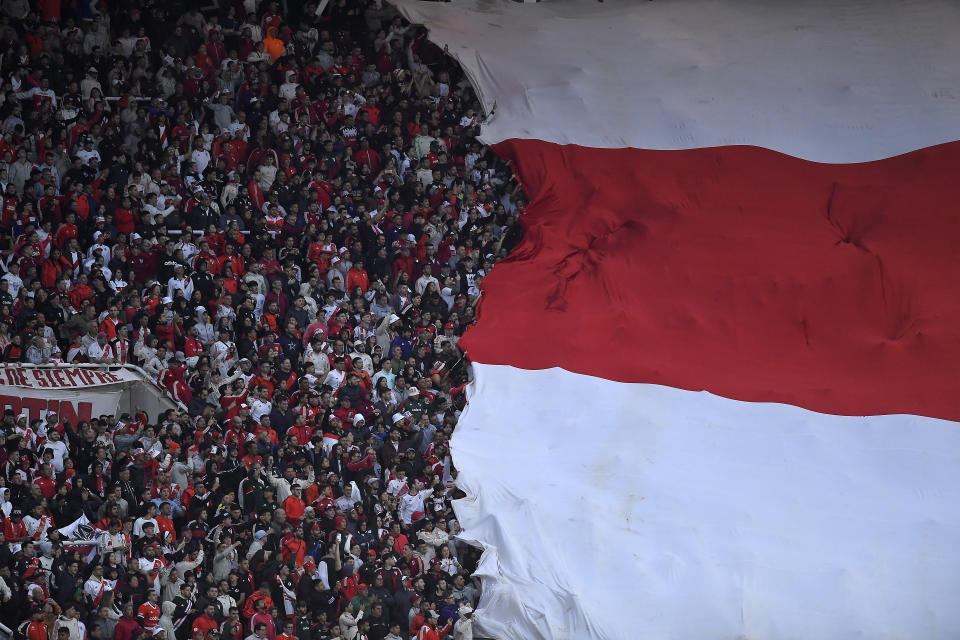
96,589
411,503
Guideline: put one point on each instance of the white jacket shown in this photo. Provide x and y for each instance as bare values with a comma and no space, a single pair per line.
348,626
463,629
434,540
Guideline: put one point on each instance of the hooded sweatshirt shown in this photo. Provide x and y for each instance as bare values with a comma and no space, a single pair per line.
166,618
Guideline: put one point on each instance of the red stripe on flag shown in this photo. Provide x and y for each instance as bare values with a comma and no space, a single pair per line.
739,270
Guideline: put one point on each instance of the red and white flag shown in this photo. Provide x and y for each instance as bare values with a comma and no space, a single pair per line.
716,388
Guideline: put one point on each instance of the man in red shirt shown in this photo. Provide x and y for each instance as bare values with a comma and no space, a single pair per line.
369,157
205,622
230,257
37,629
127,627
191,344
301,430
261,616
46,483
288,633
429,630
294,507
357,277
164,520
14,530
109,324
149,612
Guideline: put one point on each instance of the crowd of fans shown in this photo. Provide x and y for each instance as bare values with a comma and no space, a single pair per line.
284,216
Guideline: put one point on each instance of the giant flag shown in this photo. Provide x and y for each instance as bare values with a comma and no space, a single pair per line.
717,386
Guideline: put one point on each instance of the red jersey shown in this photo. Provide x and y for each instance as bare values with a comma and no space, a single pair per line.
48,487
192,347
301,433
149,615
204,624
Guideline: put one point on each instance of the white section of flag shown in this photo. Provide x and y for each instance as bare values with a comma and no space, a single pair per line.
613,510
823,80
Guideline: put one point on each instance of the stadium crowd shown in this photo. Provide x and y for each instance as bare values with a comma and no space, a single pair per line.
283,216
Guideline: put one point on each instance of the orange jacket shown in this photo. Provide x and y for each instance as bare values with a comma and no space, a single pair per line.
274,46
294,507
